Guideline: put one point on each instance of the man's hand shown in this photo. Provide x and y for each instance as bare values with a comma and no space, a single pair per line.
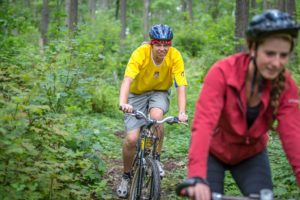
183,117
126,108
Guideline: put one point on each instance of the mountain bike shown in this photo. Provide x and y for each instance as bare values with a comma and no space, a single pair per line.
146,177
265,194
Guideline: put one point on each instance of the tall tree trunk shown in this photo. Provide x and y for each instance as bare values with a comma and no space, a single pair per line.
117,9
72,14
190,7
27,3
123,21
291,7
241,22
92,8
214,4
183,5
265,4
253,4
44,23
104,4
146,18
281,5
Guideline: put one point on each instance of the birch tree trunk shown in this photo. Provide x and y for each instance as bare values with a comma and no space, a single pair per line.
123,21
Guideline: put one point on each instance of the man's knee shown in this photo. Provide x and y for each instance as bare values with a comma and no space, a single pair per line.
156,113
130,140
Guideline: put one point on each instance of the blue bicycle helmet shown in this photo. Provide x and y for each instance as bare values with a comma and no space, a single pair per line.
272,21
161,32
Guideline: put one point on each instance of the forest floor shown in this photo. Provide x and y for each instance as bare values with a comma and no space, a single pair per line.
115,169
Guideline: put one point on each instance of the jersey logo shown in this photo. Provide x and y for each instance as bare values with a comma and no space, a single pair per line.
156,74
182,74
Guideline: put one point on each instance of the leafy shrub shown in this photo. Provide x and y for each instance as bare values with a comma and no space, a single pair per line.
104,98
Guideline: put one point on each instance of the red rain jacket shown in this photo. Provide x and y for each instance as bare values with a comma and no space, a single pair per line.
220,124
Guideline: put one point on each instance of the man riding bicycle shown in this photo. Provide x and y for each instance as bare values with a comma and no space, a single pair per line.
150,72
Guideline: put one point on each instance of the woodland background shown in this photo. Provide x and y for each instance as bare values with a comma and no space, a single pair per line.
61,64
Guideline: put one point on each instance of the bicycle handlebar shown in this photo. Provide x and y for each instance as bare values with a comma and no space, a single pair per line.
265,194
170,119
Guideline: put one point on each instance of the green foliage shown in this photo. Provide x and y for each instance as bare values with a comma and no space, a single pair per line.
285,186
200,40
104,98
47,152
58,103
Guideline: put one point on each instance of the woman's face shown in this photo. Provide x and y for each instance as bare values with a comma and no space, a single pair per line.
271,57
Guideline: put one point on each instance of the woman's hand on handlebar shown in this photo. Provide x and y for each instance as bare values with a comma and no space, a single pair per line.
126,108
195,188
199,192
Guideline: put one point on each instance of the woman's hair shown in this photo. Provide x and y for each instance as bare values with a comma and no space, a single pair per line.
260,40
278,83
277,88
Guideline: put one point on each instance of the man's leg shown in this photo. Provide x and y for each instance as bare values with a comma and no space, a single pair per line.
159,105
139,102
157,114
129,148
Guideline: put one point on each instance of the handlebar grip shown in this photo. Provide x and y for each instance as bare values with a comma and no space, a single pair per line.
181,189
133,111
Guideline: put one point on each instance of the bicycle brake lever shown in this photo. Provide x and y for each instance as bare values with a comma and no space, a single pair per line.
184,123
174,120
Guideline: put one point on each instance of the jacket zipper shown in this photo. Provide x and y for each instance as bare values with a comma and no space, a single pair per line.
247,140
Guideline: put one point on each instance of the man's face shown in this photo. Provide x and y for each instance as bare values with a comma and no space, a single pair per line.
160,50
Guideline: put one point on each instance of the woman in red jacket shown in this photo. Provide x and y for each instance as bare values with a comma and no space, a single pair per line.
241,97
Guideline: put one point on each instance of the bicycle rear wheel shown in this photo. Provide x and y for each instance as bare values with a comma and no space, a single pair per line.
149,184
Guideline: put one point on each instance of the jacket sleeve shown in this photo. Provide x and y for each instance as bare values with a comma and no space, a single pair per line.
207,112
289,125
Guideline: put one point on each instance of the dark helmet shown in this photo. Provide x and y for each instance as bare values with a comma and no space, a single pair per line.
272,21
161,32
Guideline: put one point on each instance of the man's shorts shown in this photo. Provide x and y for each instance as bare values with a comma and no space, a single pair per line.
144,102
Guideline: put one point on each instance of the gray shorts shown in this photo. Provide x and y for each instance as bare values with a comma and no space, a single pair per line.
144,102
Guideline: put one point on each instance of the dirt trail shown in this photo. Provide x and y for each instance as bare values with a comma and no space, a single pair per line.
115,167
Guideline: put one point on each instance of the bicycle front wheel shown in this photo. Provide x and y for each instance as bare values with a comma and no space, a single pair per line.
149,183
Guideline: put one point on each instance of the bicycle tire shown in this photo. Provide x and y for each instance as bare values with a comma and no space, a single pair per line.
150,183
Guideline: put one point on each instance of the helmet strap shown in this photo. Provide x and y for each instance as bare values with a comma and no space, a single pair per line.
255,78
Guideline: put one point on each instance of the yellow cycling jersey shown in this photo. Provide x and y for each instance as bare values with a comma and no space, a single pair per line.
147,76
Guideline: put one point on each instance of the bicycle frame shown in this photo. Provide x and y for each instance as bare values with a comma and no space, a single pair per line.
145,158
144,150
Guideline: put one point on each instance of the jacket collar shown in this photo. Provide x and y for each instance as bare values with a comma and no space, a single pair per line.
240,63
